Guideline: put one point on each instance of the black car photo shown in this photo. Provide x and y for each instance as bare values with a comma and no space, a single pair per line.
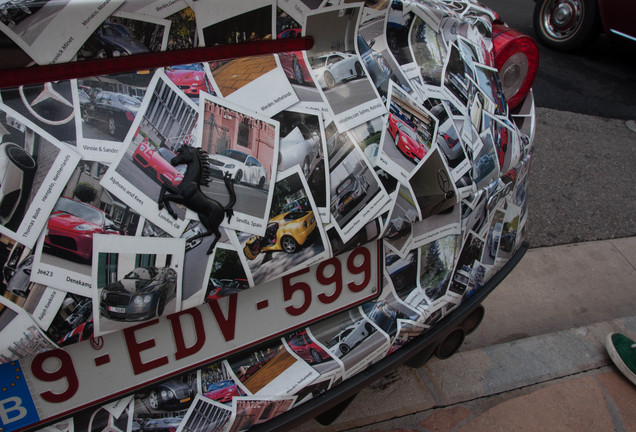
173,395
115,111
141,294
111,40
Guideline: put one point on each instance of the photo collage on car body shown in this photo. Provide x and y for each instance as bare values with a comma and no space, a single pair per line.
393,125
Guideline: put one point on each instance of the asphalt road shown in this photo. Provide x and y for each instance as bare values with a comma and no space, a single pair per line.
582,176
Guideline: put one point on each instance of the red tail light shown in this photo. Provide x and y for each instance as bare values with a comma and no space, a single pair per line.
517,59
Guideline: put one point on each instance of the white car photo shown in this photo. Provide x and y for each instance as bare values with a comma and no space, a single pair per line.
17,170
333,68
243,167
300,147
350,337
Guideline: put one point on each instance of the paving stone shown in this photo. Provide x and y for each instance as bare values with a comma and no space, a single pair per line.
623,394
446,420
571,405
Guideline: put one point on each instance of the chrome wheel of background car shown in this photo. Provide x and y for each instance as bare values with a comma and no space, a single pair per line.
85,116
329,80
154,400
20,157
344,348
112,126
238,177
288,244
261,183
298,72
566,24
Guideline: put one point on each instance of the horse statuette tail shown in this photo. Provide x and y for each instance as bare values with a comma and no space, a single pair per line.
229,184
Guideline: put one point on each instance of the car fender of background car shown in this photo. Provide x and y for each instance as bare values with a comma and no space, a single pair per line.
571,25
321,338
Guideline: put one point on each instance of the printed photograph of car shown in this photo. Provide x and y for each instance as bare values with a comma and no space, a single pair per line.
349,192
377,67
336,67
71,227
350,337
114,111
286,232
189,77
17,172
243,167
156,162
21,278
493,239
111,40
406,139
141,294
174,395
80,333
299,146
223,391
218,288
307,349
293,62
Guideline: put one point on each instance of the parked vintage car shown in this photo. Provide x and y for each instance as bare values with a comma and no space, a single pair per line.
141,294
285,232
343,289
156,162
114,111
406,139
17,171
72,225
111,40
336,67
298,146
243,167
190,78
567,25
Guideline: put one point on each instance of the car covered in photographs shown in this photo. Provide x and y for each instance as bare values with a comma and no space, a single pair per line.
156,162
190,78
242,167
173,395
17,172
369,306
141,294
286,232
223,391
113,111
407,140
349,192
307,349
71,227
568,25
336,67
298,146
111,40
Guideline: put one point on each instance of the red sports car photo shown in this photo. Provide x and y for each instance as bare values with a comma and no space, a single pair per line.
406,139
307,349
157,163
72,224
190,78
292,62
222,391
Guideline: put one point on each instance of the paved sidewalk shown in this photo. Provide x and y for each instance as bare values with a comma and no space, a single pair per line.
538,361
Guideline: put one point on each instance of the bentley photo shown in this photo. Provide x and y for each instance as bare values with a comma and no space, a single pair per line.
142,294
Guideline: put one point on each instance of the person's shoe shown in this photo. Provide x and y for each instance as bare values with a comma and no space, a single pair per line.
622,351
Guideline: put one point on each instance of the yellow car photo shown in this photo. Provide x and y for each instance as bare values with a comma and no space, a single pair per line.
287,232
